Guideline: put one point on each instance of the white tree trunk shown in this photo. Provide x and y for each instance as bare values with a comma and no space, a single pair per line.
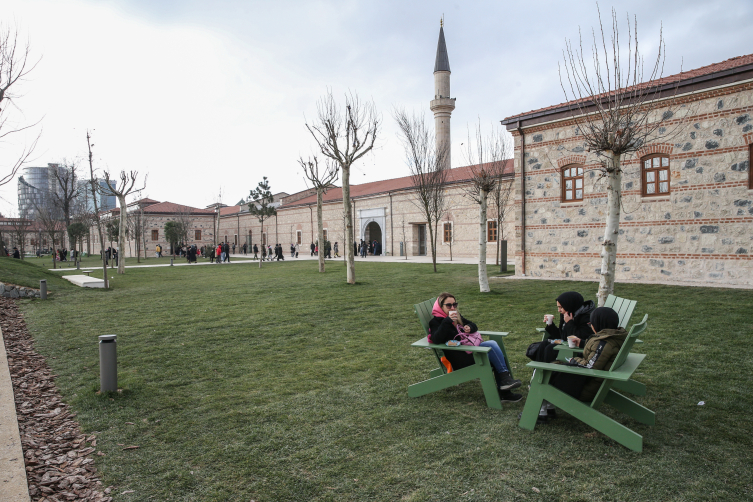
349,258
320,227
609,244
122,234
483,278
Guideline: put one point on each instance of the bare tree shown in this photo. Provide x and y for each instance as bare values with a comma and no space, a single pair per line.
427,161
137,226
487,158
50,221
616,108
405,242
94,189
321,181
65,193
184,217
14,67
500,208
19,228
345,138
126,186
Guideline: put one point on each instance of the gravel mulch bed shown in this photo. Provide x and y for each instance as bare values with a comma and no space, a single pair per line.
59,463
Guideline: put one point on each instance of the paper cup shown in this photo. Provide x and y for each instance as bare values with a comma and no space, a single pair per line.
549,318
571,342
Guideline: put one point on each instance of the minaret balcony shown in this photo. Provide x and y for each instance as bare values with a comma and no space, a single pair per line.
442,104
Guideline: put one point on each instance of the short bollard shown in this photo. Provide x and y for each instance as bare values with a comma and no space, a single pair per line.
78,265
108,363
171,262
43,289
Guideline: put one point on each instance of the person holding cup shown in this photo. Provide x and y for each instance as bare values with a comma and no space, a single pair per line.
447,324
599,353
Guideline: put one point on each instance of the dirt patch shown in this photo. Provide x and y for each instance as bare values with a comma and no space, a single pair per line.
58,457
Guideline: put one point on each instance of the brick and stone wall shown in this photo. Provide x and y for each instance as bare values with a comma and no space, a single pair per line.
701,232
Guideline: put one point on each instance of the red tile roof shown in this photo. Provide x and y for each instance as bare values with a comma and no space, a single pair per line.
457,175
224,211
703,71
168,208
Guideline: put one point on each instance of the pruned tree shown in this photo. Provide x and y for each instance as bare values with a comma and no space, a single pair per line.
125,186
14,67
184,216
261,205
616,108
76,233
137,226
320,180
112,230
428,164
486,157
501,197
345,136
173,234
94,190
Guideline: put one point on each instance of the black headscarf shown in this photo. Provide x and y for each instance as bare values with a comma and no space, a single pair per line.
604,318
570,301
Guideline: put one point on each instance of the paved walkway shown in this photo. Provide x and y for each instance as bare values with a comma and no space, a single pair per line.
244,259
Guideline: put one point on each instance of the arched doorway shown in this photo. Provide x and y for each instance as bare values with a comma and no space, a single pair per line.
374,233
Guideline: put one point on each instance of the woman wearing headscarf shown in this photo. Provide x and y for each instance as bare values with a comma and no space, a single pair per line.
447,324
574,317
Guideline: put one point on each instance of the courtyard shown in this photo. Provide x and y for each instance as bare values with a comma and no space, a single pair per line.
280,383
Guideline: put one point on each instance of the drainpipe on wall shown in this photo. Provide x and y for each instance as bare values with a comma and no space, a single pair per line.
238,216
392,238
522,198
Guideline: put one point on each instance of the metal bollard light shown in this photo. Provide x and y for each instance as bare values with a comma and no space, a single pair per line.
43,289
78,265
108,363
171,262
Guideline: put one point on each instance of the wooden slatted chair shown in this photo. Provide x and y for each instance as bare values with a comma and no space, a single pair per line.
622,369
443,377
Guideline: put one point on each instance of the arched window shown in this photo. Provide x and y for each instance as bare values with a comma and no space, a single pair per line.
572,183
655,174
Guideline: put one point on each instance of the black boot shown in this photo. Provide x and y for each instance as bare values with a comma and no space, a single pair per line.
505,381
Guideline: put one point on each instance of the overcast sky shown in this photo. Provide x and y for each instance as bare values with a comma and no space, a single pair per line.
208,97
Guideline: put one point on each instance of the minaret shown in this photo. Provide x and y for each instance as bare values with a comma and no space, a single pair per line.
442,104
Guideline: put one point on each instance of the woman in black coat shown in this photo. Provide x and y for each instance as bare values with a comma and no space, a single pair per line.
575,314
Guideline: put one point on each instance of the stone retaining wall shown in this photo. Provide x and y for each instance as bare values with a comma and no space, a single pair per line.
13,291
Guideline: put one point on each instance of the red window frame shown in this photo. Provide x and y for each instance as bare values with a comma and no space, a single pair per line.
655,175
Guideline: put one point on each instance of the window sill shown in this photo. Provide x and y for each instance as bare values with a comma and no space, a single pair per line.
655,198
571,204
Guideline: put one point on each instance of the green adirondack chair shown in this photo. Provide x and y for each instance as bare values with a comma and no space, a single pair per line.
624,309
622,369
440,379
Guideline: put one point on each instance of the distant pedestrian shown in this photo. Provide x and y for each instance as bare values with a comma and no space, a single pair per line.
292,250
233,247
245,248
256,252
297,248
337,252
313,248
226,250
16,253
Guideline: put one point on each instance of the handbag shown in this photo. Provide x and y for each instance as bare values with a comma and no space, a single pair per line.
532,350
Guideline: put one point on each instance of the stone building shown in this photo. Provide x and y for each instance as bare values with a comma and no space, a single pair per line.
201,225
385,211
687,202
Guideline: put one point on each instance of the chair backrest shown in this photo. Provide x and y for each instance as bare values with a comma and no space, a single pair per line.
636,330
423,311
623,307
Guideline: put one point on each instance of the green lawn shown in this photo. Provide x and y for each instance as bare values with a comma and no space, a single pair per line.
282,384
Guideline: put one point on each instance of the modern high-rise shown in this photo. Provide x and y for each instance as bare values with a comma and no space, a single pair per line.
35,187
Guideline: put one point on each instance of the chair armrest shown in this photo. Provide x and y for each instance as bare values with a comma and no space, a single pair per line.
622,374
423,343
497,333
540,329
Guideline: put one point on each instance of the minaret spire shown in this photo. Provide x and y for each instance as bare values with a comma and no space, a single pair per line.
442,104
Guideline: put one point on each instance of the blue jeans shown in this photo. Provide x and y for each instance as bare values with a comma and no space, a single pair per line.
496,357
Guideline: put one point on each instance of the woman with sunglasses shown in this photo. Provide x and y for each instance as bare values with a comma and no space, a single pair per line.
447,324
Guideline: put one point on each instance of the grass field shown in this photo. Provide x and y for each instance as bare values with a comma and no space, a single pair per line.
282,384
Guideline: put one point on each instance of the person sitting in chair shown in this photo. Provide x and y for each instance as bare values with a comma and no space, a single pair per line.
574,316
447,324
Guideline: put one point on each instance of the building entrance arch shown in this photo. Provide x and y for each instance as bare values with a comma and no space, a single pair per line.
373,233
